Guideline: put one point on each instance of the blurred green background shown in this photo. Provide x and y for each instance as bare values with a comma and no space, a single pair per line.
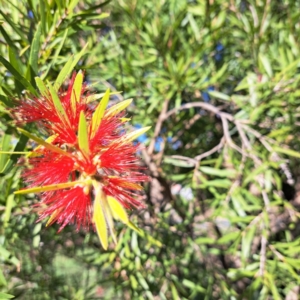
218,81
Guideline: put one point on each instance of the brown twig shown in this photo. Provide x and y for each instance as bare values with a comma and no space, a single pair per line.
158,126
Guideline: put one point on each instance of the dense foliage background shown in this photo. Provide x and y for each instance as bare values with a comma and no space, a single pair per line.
218,82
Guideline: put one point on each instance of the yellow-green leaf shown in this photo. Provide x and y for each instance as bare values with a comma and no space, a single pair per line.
115,109
34,49
109,218
52,217
68,68
76,90
83,140
98,114
135,228
52,187
143,234
44,143
133,135
95,97
124,120
50,139
58,106
286,151
99,218
117,209
15,152
41,86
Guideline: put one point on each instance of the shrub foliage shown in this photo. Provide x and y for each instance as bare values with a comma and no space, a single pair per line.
218,82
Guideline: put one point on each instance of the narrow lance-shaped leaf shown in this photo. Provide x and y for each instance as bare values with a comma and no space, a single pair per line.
98,114
83,140
58,106
115,109
76,91
286,151
68,68
109,218
44,143
49,140
9,20
117,209
52,217
7,38
43,15
5,145
42,87
99,219
18,76
17,152
56,53
143,234
71,6
133,135
34,50
95,97
52,187
129,185
124,120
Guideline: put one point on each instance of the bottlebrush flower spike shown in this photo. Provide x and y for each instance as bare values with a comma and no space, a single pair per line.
86,170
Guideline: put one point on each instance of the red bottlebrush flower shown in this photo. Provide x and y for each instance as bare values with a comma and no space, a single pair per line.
86,171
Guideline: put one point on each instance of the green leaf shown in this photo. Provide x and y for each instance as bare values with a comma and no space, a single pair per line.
174,292
58,106
2,280
273,286
42,8
219,95
117,209
231,236
247,239
191,285
266,64
42,87
52,187
205,241
143,234
68,68
99,219
179,162
72,5
14,157
135,228
34,50
14,59
14,26
286,151
56,54
76,91
83,139
95,97
6,101
6,296
7,38
115,109
10,203
5,146
133,281
99,113
134,135
44,143
238,204
221,183
218,172
26,84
